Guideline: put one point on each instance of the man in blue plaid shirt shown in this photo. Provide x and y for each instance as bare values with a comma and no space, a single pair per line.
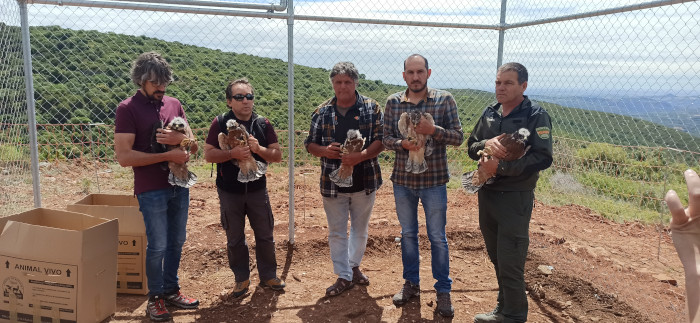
330,123
430,186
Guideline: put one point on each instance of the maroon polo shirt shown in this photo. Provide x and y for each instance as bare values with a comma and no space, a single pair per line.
137,115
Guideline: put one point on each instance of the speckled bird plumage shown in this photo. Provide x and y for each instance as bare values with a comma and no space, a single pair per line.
416,163
250,169
179,173
515,145
353,143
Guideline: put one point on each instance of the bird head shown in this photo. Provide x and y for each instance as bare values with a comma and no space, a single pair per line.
521,134
231,124
354,134
178,124
415,116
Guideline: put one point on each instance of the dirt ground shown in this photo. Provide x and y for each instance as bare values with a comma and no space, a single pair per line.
580,267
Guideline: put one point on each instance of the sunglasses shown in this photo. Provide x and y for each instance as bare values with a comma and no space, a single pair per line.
239,97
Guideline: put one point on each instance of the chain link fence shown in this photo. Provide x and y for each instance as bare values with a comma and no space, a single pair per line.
15,168
622,85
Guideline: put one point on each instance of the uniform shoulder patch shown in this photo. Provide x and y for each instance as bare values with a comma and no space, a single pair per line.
543,132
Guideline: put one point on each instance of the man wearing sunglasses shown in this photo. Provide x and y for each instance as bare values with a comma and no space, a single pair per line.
239,199
164,206
330,124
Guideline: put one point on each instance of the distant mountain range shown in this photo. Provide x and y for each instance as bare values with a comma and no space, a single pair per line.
678,112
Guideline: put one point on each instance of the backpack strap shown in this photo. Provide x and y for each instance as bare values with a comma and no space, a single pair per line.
222,128
222,122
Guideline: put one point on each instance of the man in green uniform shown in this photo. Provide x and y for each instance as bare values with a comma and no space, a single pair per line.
505,205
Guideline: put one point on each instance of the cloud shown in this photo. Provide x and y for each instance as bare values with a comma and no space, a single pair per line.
646,51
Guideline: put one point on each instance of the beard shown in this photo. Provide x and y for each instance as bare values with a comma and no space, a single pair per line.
418,90
152,96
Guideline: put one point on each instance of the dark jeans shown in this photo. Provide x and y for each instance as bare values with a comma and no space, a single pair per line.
256,205
504,219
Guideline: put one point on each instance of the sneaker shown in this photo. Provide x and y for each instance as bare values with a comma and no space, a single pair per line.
444,305
408,291
273,283
241,288
358,277
492,317
181,301
156,309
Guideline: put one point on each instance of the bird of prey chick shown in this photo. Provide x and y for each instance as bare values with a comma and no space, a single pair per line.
249,168
353,143
416,163
515,145
179,174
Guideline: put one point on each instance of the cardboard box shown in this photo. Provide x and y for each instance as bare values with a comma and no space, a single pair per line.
57,266
131,262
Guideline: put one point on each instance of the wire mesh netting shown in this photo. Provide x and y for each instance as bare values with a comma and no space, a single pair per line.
14,135
622,85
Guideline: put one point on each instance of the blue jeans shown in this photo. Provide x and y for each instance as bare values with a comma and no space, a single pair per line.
165,215
359,206
434,201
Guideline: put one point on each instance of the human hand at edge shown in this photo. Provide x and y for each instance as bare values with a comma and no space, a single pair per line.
494,147
680,215
686,239
332,151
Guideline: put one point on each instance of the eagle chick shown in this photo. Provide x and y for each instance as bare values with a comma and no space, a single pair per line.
516,146
249,168
416,163
179,173
353,143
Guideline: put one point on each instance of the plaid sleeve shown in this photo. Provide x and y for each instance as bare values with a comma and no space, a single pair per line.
390,135
450,133
315,132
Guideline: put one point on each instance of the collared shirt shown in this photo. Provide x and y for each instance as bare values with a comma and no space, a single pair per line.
226,172
520,174
322,132
140,116
448,131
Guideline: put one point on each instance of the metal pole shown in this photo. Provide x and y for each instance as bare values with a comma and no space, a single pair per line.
31,112
634,7
94,156
222,4
213,8
290,112
501,34
146,6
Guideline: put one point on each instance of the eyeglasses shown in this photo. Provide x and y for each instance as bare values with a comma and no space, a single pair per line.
157,83
239,97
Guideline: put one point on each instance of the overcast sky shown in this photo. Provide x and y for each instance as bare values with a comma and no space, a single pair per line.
652,51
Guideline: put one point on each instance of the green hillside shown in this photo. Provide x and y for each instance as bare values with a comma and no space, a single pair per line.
81,76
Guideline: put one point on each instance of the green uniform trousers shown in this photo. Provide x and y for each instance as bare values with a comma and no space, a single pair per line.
504,220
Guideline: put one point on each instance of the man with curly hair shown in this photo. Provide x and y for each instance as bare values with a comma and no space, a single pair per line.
164,206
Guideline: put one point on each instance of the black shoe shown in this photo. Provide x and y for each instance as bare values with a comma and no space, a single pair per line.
156,309
444,305
408,291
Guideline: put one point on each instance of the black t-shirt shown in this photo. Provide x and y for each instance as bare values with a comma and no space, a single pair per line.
351,120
